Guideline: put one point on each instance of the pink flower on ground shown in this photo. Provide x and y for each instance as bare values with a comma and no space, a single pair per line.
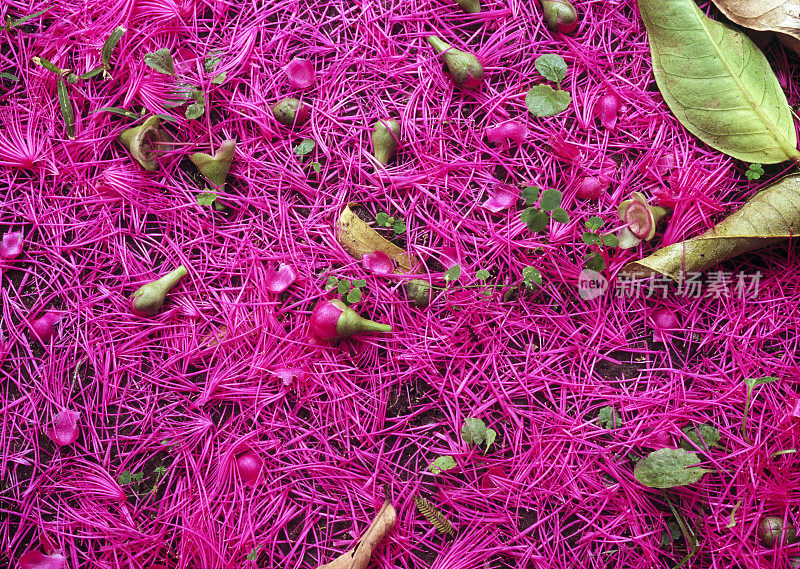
11,246
249,467
510,130
300,72
278,281
378,262
38,560
64,430
503,197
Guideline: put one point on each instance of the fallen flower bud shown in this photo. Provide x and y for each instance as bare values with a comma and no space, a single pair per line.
560,15
510,130
606,109
64,430
141,141
147,300
385,137
640,218
466,70
215,168
333,320
44,328
291,112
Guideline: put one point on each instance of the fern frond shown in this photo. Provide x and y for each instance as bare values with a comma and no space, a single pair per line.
434,516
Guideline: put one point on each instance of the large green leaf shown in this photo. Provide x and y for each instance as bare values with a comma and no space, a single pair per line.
668,467
718,84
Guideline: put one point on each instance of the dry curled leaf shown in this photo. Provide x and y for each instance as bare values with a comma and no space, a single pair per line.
358,239
358,557
781,16
769,216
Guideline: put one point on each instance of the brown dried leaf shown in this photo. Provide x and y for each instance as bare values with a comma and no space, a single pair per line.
358,239
769,216
782,16
358,557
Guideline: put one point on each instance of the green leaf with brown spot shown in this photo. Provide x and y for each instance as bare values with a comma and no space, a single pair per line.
668,467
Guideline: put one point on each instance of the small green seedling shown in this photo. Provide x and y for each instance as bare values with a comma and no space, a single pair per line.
549,207
754,172
531,278
436,518
253,555
608,418
350,290
453,273
542,100
396,224
160,60
306,146
442,463
700,437
597,242
474,432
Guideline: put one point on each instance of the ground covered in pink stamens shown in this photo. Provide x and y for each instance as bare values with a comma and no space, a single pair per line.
165,408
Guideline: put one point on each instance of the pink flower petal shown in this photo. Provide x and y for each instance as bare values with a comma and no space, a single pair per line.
64,430
301,73
449,257
503,197
510,130
606,110
563,149
378,262
38,560
11,246
287,375
278,281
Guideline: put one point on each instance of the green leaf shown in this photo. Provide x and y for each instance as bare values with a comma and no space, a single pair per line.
700,434
253,555
358,283
9,76
552,67
399,227
591,238
609,418
316,166
331,283
718,84
305,147
442,463
42,62
754,172
530,194
382,219
560,215
354,295
473,432
531,276
137,477
751,382
610,240
117,111
211,62
482,275
11,24
161,61
551,199
220,79
195,111
594,223
67,113
544,101
160,471
108,47
491,435
124,477
91,73
595,263
535,219
343,286
453,273
668,468
206,198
